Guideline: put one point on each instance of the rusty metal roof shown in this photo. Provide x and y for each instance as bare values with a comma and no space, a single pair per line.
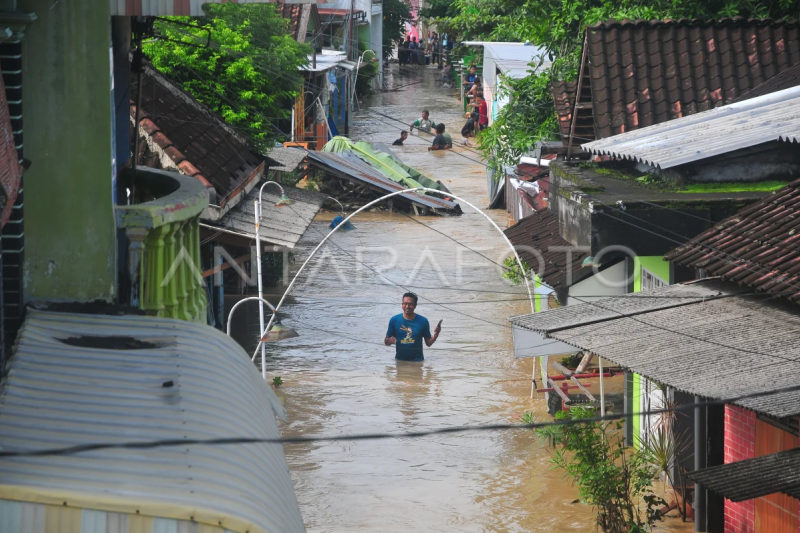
759,247
538,233
350,166
708,338
753,478
647,72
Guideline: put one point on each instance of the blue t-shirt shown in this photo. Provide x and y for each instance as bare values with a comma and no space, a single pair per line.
409,335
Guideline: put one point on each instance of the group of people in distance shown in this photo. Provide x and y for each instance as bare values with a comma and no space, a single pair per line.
477,110
477,118
441,141
411,51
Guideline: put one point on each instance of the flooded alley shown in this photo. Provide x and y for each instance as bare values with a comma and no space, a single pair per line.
340,379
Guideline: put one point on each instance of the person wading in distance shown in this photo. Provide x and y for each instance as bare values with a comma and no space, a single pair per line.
407,330
423,124
401,140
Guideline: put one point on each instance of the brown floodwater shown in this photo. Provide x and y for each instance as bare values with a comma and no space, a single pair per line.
340,379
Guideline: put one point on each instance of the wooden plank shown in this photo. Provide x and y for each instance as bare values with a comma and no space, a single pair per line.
557,390
586,392
572,378
238,261
561,368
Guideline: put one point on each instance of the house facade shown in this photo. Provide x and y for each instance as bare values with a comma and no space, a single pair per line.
115,307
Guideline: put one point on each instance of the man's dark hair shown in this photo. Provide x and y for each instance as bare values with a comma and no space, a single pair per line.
410,295
473,67
480,94
477,80
403,132
440,128
425,112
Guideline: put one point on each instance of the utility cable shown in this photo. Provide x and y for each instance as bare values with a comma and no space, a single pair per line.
171,443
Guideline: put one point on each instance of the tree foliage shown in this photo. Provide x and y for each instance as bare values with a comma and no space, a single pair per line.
616,481
395,15
438,9
558,25
248,75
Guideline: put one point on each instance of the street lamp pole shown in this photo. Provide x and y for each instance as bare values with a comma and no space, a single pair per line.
257,209
382,198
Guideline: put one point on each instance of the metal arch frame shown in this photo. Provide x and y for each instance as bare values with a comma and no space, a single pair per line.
382,198
240,302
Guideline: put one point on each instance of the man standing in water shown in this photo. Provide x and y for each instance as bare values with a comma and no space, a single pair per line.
407,330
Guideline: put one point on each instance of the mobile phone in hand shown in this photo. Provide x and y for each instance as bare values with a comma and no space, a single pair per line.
440,323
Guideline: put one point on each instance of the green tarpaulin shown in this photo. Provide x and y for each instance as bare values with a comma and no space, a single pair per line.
387,164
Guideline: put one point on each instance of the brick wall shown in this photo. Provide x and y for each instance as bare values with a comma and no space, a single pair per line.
740,439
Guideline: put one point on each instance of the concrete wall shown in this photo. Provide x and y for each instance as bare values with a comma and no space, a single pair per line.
69,215
740,443
574,213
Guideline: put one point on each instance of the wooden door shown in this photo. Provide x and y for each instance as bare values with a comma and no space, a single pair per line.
776,513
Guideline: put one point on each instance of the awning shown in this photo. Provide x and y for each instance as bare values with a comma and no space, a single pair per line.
753,478
326,60
79,379
707,338
282,226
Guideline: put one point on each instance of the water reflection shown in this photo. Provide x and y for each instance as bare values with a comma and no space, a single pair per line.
412,381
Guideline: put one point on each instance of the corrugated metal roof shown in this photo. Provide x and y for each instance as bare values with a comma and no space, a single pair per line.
326,60
283,225
706,338
513,59
289,158
59,393
349,165
753,478
772,117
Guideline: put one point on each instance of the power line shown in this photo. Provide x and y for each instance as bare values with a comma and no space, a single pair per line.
171,443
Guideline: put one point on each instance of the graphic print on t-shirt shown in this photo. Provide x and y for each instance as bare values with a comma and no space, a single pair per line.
408,338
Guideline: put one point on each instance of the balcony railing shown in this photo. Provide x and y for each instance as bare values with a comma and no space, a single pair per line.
162,227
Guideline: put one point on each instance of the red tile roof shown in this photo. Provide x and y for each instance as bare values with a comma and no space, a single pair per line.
643,72
785,80
534,236
10,169
293,13
195,140
564,99
759,247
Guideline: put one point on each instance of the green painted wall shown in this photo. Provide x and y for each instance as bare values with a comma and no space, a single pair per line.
364,35
660,268
69,215
654,264
537,300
